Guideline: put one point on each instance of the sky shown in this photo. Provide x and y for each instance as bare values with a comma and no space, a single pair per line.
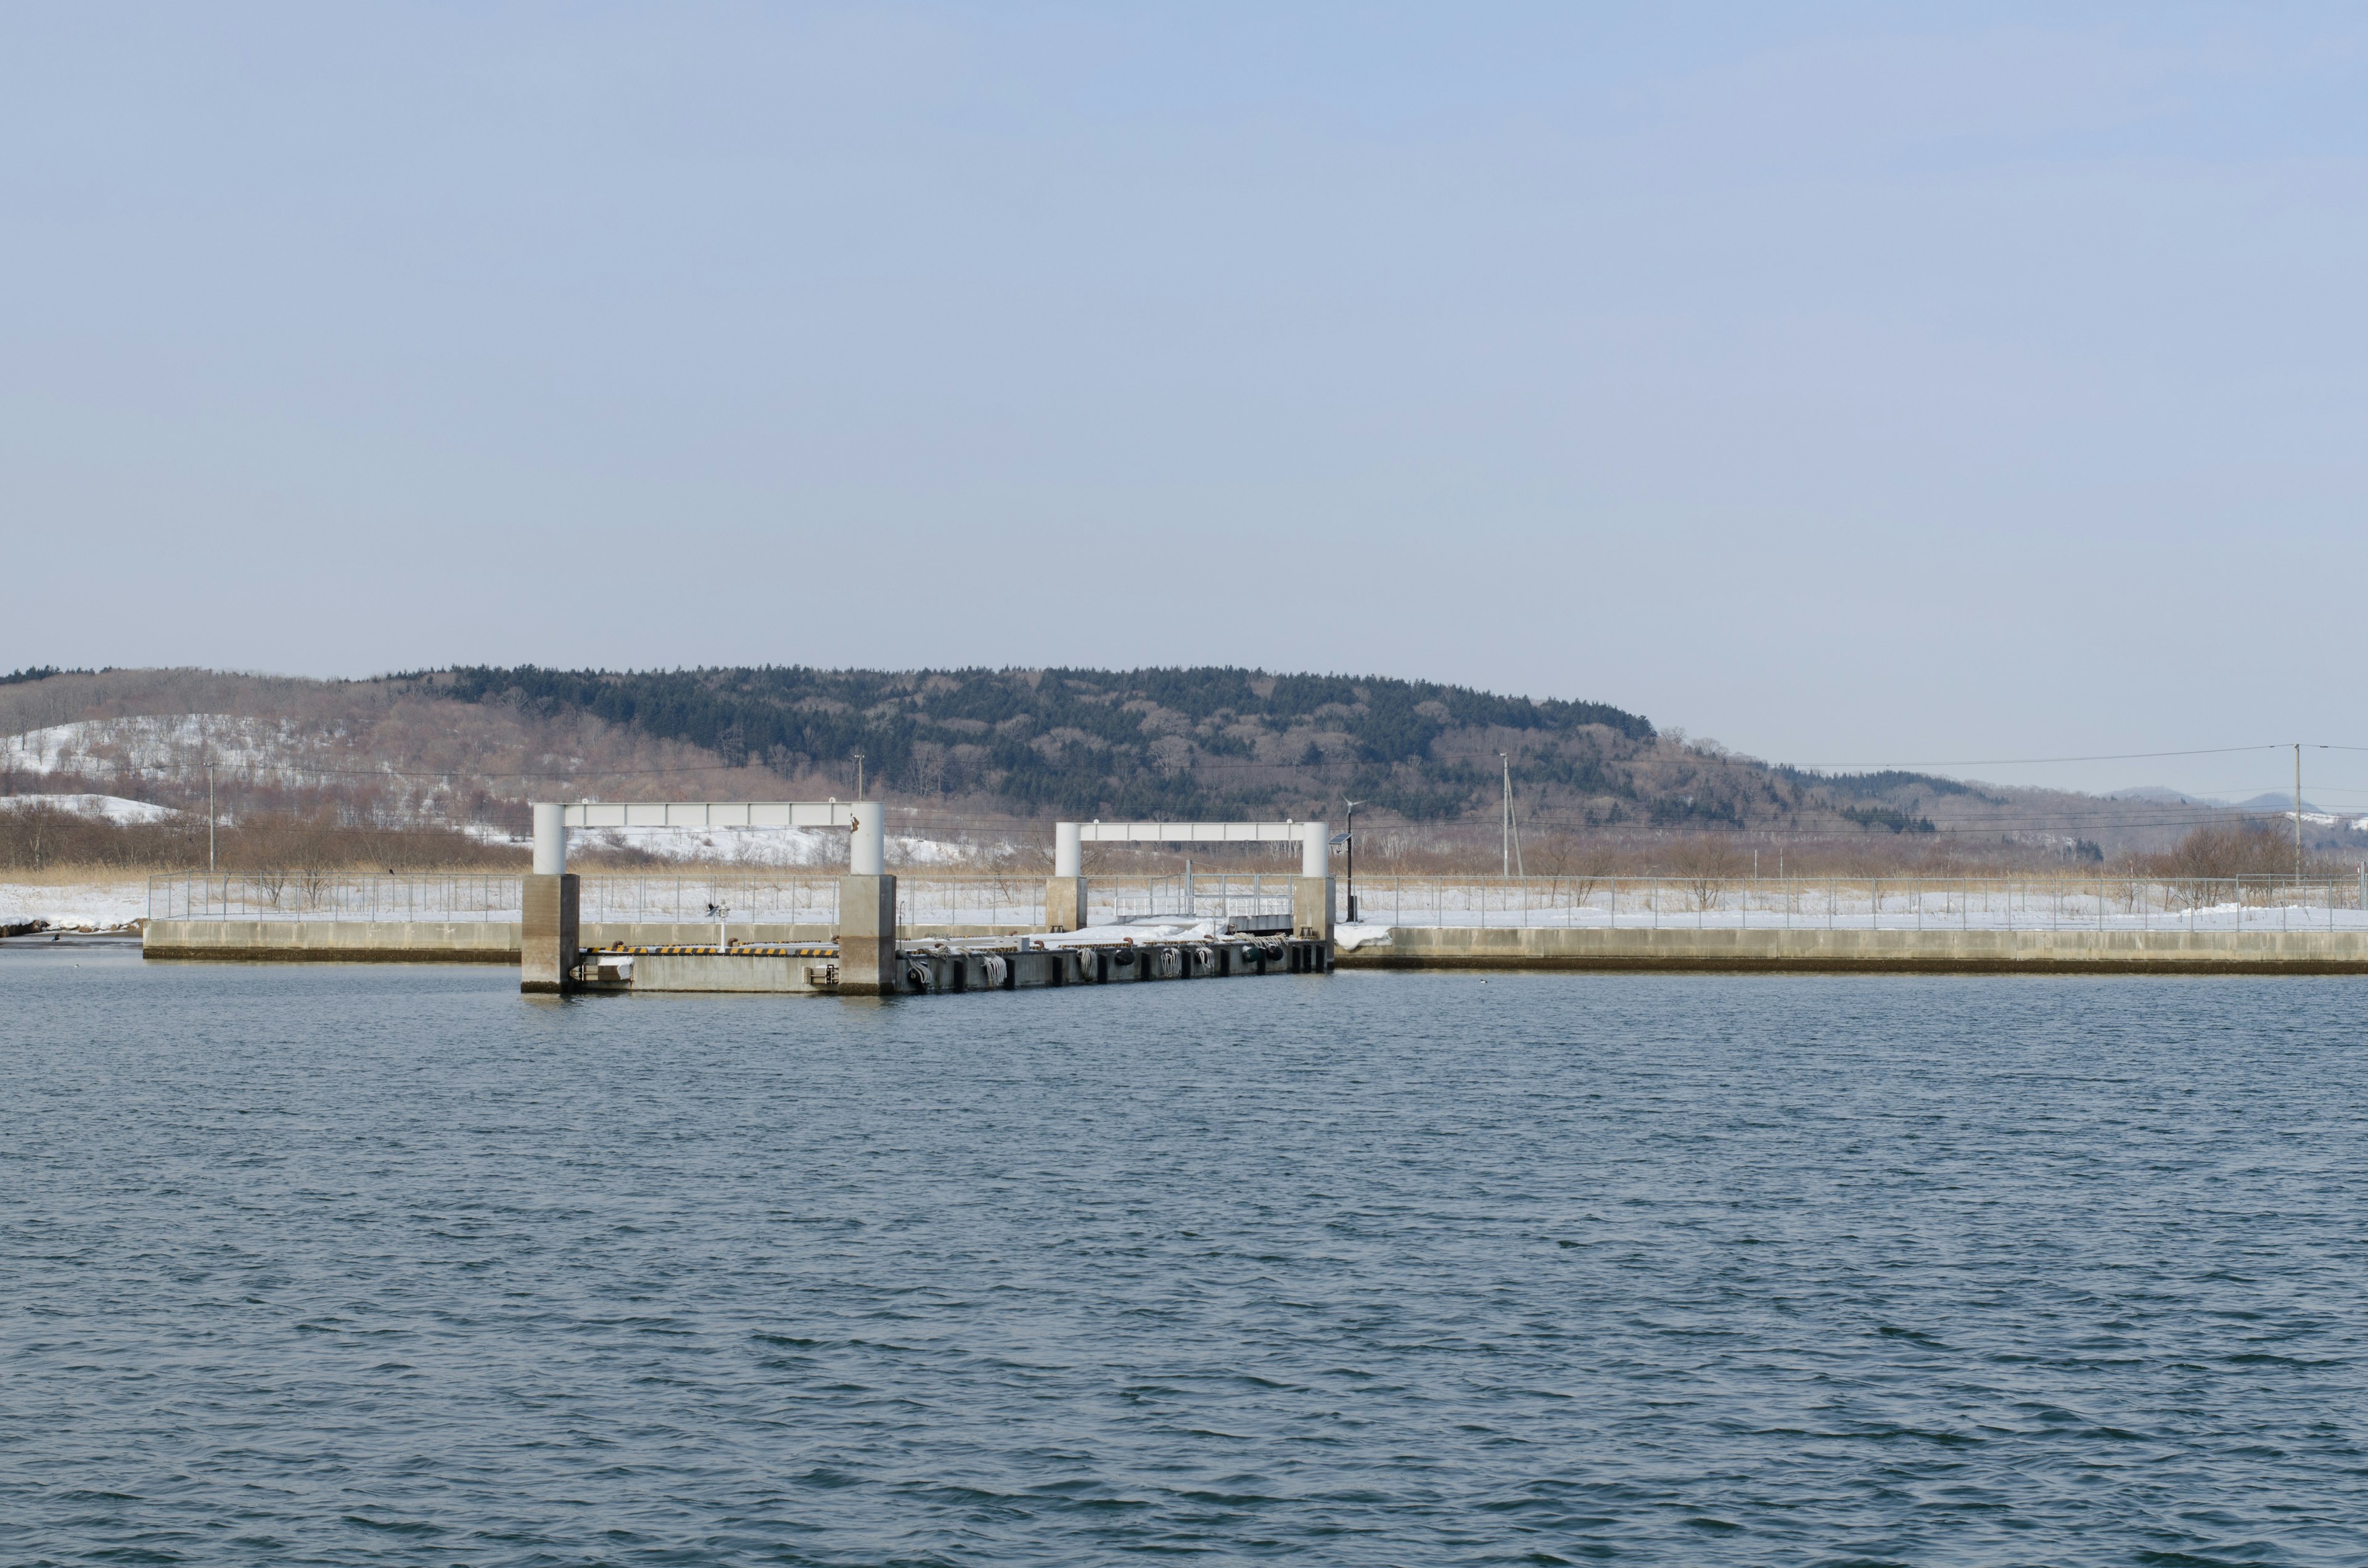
1855,385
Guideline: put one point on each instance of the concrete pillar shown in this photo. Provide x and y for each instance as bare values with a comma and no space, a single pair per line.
550,839
1068,850
867,841
549,928
867,934
1064,903
1311,906
1314,850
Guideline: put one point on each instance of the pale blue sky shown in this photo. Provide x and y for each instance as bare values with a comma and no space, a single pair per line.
1849,383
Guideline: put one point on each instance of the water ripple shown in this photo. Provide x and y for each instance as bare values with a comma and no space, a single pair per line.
380,1265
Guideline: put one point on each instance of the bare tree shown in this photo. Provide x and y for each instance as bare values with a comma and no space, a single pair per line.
1703,864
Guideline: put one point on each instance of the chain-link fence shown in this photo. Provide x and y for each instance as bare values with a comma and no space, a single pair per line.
1884,904
1200,896
1017,902
331,895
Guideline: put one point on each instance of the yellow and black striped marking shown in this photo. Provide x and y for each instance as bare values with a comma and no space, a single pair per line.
738,949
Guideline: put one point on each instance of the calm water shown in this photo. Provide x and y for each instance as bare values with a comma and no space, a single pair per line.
389,1266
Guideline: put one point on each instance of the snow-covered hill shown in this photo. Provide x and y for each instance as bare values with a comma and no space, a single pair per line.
111,808
175,745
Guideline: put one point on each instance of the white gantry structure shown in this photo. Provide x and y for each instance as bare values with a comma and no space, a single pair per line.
550,923
862,819
1311,896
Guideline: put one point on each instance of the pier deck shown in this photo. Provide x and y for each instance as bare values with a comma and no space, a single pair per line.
947,967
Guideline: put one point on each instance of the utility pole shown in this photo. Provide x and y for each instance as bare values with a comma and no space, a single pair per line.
858,773
210,817
1505,816
2298,811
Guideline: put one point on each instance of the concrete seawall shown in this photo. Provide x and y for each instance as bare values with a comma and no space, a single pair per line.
1926,951
461,941
1451,946
333,941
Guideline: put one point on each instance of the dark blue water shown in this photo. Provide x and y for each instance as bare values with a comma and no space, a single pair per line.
379,1264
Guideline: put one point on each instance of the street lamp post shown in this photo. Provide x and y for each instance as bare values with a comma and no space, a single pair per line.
1352,806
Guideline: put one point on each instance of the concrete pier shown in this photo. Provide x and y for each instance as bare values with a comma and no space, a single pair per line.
867,934
752,967
946,968
927,972
1064,903
550,932
1313,906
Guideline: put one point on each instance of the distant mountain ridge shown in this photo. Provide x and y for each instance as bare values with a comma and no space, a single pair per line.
1110,742
976,755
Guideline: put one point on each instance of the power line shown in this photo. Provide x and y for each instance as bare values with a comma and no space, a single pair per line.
2035,761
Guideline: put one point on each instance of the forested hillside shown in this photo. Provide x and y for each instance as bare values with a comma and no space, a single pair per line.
1132,742
982,757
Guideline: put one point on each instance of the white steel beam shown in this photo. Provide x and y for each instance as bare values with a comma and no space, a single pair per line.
712,813
1190,831
863,819
1314,838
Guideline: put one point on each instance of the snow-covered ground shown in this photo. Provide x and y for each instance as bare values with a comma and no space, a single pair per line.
113,808
2329,819
94,905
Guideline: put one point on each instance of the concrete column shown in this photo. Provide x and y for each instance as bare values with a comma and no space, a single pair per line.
1064,895
550,839
1311,906
1064,903
866,843
1315,848
867,934
550,928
